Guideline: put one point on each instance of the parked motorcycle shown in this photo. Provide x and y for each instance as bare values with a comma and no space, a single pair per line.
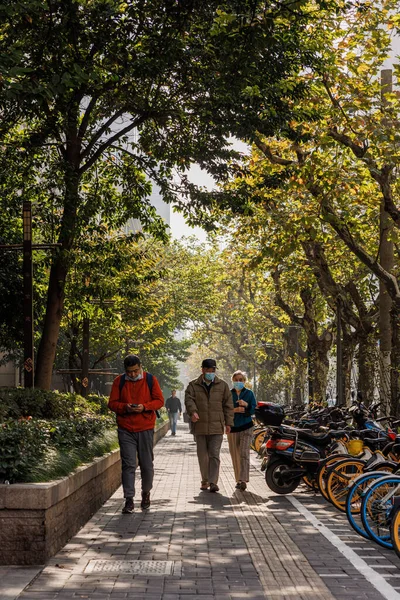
292,453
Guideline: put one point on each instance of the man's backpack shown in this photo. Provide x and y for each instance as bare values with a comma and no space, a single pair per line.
149,381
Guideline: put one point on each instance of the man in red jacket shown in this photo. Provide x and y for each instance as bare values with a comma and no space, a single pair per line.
135,404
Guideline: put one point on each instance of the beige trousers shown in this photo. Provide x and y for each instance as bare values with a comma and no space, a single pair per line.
239,447
208,449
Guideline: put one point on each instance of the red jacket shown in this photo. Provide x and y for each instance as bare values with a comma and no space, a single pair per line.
136,392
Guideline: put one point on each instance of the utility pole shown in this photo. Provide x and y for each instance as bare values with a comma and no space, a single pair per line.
85,359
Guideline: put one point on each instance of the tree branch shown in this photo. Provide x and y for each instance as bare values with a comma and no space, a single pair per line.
100,132
343,232
86,117
273,158
110,141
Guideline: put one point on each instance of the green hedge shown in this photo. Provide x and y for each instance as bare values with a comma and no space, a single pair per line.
43,432
37,424
24,443
43,404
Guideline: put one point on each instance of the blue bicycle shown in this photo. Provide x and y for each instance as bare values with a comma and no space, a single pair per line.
377,508
354,498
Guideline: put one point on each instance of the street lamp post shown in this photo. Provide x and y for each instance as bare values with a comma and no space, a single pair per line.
28,294
27,246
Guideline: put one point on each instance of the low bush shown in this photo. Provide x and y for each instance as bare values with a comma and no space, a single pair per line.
46,434
25,443
44,404
59,463
78,432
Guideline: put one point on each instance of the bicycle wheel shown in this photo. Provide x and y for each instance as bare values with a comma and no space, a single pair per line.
354,500
395,531
256,431
311,482
376,509
338,479
323,471
258,441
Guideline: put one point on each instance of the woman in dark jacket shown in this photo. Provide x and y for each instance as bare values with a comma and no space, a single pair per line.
241,434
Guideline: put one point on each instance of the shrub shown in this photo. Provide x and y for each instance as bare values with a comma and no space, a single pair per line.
44,404
22,446
59,463
25,443
78,432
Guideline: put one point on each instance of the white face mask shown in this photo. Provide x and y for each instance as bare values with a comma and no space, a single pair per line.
136,378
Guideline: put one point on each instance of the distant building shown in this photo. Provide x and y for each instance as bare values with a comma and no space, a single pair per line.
163,210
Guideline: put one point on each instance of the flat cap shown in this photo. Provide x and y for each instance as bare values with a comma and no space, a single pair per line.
208,363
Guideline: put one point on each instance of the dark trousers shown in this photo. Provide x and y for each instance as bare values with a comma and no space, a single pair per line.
208,449
136,445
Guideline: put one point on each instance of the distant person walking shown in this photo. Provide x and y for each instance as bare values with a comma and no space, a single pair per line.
240,436
135,396
174,408
209,404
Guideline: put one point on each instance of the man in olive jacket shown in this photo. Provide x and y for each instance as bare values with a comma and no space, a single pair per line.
209,404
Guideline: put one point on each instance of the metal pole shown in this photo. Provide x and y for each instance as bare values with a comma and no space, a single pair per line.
29,366
85,359
339,359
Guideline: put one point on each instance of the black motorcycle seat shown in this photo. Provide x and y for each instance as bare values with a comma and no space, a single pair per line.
319,439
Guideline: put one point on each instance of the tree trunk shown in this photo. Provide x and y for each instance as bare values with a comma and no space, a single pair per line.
58,275
319,367
48,343
395,359
348,350
367,362
386,258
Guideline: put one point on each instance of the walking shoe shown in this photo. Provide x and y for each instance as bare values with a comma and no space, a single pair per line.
129,506
214,487
243,485
204,485
237,486
145,503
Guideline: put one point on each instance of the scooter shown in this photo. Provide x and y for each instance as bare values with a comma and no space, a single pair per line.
292,453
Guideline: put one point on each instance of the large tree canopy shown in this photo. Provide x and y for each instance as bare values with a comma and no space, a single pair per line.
98,96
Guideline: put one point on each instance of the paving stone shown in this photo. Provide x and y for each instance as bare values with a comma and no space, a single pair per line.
233,545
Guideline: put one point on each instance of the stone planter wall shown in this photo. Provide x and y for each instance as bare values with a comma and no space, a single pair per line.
37,519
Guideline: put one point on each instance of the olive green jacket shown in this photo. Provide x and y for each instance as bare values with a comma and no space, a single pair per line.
215,410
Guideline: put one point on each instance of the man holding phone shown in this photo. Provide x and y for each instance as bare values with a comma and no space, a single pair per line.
135,396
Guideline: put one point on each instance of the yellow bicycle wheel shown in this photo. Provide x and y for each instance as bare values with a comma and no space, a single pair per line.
338,479
256,431
258,440
323,470
311,482
395,531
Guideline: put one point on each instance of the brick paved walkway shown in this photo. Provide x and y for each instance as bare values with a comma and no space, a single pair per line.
231,545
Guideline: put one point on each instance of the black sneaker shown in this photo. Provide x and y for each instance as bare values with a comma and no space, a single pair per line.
214,488
129,506
145,503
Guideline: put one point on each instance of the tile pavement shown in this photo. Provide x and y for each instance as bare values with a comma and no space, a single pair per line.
232,545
